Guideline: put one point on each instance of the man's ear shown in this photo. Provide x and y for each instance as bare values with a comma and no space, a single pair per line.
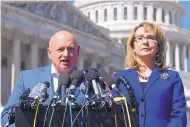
78,52
49,53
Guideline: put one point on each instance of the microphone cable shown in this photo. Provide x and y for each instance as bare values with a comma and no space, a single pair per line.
114,110
70,112
51,118
65,110
86,104
126,106
46,114
36,113
124,115
64,116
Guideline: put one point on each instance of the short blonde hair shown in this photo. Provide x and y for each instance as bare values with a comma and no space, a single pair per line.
130,60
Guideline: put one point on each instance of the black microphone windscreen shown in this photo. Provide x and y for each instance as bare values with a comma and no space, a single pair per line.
92,75
47,83
76,76
64,79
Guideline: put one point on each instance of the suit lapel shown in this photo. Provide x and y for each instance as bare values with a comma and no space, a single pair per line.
45,75
134,82
153,77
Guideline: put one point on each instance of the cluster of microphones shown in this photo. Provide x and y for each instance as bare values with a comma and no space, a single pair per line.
92,83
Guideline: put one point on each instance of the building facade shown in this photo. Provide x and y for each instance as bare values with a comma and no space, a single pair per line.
27,27
120,17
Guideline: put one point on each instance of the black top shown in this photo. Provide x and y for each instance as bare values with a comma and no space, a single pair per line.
143,84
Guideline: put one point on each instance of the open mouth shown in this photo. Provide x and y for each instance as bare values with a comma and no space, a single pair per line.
65,61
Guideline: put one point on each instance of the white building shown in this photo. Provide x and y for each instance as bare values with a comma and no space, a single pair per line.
120,17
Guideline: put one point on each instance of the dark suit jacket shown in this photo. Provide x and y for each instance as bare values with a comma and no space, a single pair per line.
162,102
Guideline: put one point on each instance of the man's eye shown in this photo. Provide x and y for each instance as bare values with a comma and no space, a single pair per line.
70,48
59,50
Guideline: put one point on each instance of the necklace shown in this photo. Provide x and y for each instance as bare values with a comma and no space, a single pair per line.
142,76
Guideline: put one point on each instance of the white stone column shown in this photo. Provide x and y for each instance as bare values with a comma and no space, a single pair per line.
159,15
120,13
130,12
80,63
93,63
140,12
110,13
167,18
168,54
119,40
34,55
173,18
16,64
101,14
185,58
178,19
93,15
150,13
177,62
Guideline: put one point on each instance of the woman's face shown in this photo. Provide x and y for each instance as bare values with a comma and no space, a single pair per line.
145,44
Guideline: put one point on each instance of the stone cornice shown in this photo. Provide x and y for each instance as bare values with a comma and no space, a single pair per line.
53,10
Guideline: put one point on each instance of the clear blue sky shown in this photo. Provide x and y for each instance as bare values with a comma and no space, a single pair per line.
186,17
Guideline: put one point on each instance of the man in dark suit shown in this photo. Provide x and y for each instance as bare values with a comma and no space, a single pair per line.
63,51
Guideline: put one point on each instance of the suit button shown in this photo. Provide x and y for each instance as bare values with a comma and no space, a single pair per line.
142,99
142,115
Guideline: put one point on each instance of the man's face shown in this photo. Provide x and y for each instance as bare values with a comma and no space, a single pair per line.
63,51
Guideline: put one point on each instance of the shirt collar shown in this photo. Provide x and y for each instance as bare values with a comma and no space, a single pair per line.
54,72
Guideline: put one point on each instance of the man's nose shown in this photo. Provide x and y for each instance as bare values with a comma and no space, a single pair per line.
65,52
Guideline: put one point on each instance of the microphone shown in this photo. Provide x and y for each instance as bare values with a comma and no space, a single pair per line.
84,87
133,101
39,92
11,117
76,77
93,76
63,81
113,86
24,100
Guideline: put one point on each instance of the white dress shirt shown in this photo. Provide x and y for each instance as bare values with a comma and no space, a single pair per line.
55,76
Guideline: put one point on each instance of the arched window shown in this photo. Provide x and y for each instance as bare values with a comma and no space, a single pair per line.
154,14
145,13
163,16
125,13
96,16
115,13
105,14
135,13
